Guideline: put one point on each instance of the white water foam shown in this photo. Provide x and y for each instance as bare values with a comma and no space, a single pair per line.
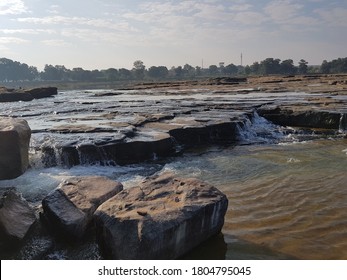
260,130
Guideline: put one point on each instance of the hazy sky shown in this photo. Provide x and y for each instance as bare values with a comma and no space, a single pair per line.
99,34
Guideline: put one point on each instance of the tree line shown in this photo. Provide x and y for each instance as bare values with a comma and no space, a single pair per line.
15,71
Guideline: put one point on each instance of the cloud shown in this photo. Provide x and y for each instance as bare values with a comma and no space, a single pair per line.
333,17
11,40
55,43
283,10
250,18
12,7
73,21
54,9
240,7
28,31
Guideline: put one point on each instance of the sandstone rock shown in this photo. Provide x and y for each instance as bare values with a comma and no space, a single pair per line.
16,215
163,218
42,92
69,208
301,118
14,145
211,133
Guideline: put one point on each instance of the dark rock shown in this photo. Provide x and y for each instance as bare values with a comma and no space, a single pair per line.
69,208
15,96
163,218
14,146
300,118
42,92
208,134
16,215
141,148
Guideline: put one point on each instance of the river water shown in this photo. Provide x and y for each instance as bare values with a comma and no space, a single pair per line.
287,192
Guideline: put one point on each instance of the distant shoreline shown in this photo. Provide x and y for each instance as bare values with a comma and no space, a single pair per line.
316,83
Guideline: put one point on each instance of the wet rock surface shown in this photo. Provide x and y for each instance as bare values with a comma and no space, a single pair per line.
69,209
163,218
13,95
16,215
14,147
154,120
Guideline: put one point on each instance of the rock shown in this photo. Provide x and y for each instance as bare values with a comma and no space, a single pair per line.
162,218
301,118
16,215
12,95
42,92
140,148
211,133
14,146
69,208
15,96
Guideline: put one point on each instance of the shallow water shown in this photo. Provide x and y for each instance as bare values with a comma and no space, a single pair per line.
287,194
290,199
285,200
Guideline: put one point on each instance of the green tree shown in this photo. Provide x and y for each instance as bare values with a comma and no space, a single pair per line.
255,68
111,74
287,67
302,68
139,69
125,74
188,70
213,69
230,69
270,66
158,72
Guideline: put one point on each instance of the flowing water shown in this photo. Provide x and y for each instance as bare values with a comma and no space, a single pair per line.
287,192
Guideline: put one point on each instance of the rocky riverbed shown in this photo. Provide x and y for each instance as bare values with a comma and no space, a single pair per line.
151,122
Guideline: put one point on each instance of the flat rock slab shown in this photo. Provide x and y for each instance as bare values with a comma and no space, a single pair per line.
69,208
14,146
162,218
16,215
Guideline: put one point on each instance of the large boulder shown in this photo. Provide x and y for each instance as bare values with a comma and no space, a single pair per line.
69,208
14,147
16,215
162,218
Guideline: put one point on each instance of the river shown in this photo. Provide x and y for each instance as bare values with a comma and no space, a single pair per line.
287,191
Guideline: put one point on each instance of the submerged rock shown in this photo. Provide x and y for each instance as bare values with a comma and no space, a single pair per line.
69,208
16,215
14,146
162,218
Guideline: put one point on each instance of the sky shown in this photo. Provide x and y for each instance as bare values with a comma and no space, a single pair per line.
102,34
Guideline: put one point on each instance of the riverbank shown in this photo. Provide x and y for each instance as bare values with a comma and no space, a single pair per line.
317,83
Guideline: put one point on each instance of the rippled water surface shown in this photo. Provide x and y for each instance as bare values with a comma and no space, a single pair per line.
291,199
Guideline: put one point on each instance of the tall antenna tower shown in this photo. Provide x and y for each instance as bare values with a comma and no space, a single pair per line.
241,59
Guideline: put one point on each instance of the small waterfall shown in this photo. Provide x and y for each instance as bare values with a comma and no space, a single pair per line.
259,130
343,123
44,153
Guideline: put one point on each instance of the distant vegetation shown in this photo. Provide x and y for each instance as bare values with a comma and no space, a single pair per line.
14,71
